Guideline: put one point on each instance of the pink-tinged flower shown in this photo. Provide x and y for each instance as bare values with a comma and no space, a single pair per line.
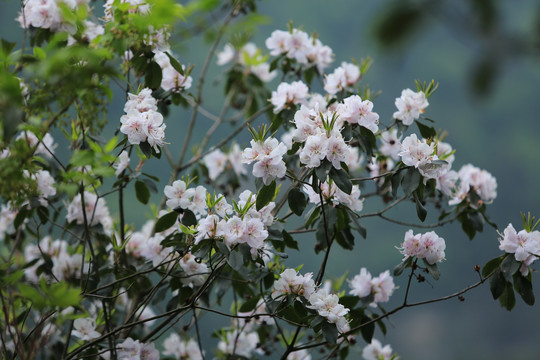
343,77
215,162
196,272
314,151
45,147
410,105
242,343
356,111
428,246
277,42
375,351
181,348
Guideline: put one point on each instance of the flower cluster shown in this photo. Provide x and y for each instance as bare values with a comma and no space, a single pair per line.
473,178
135,350
180,196
428,246
142,122
85,329
45,184
523,244
46,14
248,56
44,146
240,343
421,155
327,305
268,157
410,105
364,285
299,46
7,219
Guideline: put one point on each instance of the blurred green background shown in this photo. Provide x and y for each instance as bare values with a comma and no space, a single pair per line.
486,60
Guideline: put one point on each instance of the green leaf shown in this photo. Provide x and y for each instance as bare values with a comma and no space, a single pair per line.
367,331
396,180
146,149
410,181
491,265
188,218
398,23
249,305
349,301
497,284
142,192
508,299
289,241
297,201
82,158
175,64
236,260
420,210
330,332
524,288
265,195
323,170
426,131
342,180
398,270
166,221
509,266
153,75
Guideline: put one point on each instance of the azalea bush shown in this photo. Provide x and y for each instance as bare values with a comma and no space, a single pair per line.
82,281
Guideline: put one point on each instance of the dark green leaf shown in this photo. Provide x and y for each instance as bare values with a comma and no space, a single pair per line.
297,201
330,332
153,75
508,299
477,221
289,241
420,210
188,218
398,23
426,131
524,288
236,260
349,301
410,181
367,331
342,180
146,149
323,170
490,266
165,222
21,216
497,284
142,192
396,180
249,305
265,195
175,64
509,266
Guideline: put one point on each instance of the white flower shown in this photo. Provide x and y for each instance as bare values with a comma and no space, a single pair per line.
7,218
289,95
410,105
375,351
299,355
239,343
153,250
95,211
269,159
226,55
178,195
361,284
277,42
215,162
196,271
171,78
383,287
342,78
85,329
121,163
181,348
292,283
391,144
524,245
